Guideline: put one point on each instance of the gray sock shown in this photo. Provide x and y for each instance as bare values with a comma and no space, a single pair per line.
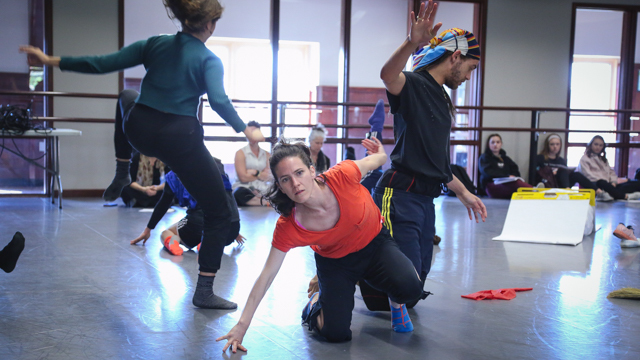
206,299
121,180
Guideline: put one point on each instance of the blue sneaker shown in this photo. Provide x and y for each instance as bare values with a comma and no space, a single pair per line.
400,320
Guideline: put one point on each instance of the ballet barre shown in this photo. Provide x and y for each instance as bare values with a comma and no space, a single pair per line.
53,166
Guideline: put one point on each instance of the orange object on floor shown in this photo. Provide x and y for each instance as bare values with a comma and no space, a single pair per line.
500,294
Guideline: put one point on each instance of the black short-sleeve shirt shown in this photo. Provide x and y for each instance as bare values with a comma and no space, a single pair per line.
422,128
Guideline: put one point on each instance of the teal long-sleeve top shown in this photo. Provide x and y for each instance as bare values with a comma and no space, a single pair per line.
180,69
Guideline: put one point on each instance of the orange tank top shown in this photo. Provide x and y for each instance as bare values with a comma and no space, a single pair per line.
360,220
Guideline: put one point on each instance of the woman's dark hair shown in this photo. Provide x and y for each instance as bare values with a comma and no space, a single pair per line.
487,149
547,141
282,204
603,154
193,14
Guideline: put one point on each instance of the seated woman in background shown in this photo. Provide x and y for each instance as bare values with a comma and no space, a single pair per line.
595,166
253,176
146,189
550,163
316,139
495,164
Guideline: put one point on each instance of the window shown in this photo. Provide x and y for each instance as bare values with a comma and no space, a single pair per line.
593,86
248,71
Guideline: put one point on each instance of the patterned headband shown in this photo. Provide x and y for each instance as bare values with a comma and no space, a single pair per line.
452,40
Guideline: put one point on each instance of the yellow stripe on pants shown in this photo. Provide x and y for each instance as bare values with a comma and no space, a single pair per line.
386,208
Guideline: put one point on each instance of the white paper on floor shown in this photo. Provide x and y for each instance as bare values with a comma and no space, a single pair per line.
169,210
545,221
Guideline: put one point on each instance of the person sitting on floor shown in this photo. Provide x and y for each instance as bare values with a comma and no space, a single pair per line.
146,189
495,164
188,231
253,176
549,164
320,161
595,166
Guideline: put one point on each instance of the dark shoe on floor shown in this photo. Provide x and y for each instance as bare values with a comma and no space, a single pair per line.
10,254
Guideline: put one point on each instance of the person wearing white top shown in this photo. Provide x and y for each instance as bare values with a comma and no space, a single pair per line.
253,174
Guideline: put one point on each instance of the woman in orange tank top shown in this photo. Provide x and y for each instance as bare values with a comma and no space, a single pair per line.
337,217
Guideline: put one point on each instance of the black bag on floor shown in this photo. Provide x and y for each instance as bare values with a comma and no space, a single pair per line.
461,174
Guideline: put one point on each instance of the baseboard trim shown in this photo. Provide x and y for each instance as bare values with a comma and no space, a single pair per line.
71,193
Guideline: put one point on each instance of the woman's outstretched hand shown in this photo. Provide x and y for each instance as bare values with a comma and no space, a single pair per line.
234,338
36,57
146,234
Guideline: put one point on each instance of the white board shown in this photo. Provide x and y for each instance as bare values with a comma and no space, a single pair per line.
545,221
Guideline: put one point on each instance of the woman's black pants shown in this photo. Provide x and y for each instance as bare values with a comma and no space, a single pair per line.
178,141
381,264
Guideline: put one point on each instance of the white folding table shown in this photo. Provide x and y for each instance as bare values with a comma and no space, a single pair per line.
53,167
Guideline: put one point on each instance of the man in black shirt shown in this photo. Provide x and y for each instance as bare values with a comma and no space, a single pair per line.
422,125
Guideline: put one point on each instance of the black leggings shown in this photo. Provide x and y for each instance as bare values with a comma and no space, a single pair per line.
126,101
381,264
243,195
178,141
619,191
567,178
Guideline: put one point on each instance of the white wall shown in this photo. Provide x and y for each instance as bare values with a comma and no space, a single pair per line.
458,15
309,20
598,32
14,27
240,19
79,28
376,32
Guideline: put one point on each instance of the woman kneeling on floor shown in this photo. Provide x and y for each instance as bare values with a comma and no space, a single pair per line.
337,217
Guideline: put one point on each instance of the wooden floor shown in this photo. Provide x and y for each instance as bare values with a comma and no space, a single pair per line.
80,291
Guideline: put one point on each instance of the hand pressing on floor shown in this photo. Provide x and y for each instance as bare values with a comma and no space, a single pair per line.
234,338
146,234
